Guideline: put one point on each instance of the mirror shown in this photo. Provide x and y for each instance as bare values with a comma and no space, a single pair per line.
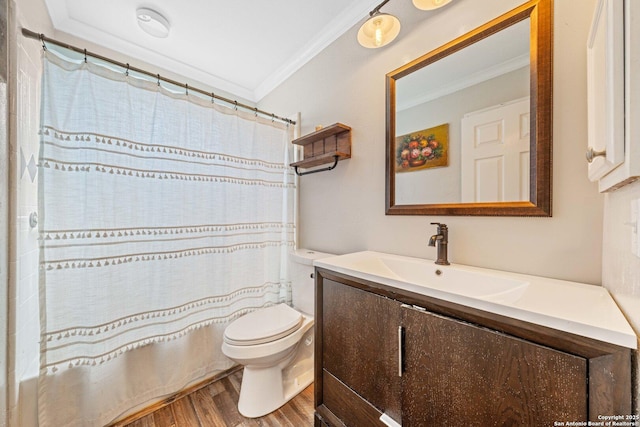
469,124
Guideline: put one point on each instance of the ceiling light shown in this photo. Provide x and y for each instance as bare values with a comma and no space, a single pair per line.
152,22
380,29
430,4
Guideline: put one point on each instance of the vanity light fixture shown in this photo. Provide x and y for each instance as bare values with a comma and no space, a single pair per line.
381,28
152,22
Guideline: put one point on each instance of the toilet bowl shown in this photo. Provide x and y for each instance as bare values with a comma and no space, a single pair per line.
275,344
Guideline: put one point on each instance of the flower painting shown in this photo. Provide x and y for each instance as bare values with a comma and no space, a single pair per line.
427,148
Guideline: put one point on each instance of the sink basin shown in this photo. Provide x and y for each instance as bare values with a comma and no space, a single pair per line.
455,279
566,306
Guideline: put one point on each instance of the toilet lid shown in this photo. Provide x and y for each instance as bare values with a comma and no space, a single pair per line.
263,325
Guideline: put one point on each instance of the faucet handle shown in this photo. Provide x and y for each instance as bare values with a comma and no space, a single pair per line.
439,225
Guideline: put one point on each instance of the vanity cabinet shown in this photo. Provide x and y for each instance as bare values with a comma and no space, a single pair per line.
423,361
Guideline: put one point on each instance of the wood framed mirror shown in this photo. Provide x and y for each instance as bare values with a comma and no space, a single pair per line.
469,124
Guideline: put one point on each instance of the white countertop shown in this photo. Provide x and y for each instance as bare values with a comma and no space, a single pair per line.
572,307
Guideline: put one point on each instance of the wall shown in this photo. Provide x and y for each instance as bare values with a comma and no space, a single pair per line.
24,326
4,212
621,269
343,210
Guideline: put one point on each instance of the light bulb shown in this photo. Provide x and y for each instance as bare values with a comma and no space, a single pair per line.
378,33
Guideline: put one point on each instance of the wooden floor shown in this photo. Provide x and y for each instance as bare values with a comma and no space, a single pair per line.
217,405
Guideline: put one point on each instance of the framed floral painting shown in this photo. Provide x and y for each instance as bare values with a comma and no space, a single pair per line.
427,148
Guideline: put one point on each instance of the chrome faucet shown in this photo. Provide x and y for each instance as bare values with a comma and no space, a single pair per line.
441,241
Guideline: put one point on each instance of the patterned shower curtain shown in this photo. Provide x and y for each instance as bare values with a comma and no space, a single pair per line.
164,217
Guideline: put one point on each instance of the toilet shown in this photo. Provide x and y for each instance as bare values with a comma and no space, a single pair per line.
275,344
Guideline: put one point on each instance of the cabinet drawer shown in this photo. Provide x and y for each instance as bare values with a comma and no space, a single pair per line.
347,405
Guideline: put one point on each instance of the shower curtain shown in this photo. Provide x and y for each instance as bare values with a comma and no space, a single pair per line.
164,217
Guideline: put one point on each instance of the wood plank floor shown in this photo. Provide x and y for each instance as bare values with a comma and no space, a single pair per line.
217,405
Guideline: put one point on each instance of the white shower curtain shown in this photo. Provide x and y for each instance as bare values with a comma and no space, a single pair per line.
163,217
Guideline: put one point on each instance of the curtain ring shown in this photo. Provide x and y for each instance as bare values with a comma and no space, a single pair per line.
44,46
85,56
213,98
158,79
186,89
235,105
256,111
126,73
273,117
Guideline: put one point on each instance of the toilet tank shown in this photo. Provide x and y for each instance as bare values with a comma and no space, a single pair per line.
302,282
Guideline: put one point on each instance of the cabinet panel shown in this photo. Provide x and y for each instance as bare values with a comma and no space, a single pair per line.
360,345
614,105
605,88
460,374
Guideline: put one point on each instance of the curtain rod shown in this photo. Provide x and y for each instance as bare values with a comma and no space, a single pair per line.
43,39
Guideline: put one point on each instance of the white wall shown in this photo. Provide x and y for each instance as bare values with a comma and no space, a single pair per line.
24,111
343,210
621,269
4,213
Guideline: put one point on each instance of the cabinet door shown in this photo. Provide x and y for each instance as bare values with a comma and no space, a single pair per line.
460,374
605,88
360,344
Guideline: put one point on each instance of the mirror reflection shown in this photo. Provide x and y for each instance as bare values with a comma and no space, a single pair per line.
462,124
469,124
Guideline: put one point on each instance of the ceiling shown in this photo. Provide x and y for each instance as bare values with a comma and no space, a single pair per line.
246,47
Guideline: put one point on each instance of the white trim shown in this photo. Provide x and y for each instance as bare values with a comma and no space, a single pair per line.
341,24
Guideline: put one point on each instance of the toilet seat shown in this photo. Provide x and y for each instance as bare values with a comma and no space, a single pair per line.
263,326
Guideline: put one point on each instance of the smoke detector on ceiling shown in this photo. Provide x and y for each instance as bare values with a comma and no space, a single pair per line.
152,22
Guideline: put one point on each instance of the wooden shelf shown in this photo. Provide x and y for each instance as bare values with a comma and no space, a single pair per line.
327,145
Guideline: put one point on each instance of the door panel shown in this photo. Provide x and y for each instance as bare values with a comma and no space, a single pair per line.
495,153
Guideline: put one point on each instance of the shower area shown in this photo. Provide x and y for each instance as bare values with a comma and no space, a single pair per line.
142,218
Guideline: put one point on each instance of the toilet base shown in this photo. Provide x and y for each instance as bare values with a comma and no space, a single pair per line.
263,390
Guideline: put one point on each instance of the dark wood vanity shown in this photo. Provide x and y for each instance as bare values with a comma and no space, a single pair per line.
425,361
